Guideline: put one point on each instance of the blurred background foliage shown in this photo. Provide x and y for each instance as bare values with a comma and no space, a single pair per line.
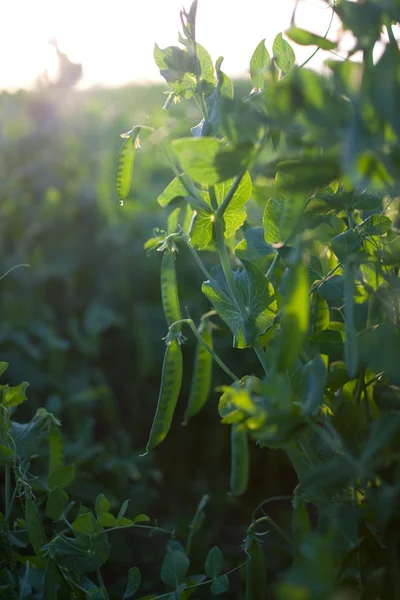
83,324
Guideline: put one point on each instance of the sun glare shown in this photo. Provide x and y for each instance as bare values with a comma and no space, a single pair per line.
114,40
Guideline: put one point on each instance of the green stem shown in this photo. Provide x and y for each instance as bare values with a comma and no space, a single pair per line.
14,494
196,257
271,269
327,31
392,39
230,194
102,586
206,346
226,266
261,355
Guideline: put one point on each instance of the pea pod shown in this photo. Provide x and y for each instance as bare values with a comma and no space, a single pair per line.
256,576
169,288
34,526
239,461
202,374
171,380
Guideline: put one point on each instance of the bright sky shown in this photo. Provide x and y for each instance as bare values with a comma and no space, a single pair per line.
114,39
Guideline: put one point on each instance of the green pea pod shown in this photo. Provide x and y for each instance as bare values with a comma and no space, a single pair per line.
202,374
169,288
171,380
256,575
50,581
34,526
239,461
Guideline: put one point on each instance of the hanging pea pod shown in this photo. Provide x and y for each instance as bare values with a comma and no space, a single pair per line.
169,288
34,527
171,381
126,158
239,461
202,373
256,575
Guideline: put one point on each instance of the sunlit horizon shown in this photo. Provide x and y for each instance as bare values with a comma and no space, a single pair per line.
115,42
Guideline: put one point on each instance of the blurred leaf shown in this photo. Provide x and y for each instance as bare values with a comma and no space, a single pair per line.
305,38
239,461
314,379
350,333
345,243
295,316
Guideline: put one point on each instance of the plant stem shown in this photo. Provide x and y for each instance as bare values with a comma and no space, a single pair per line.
261,355
196,257
392,39
226,266
206,346
102,586
230,194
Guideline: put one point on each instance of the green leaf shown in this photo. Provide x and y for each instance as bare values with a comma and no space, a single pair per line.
234,216
271,221
85,524
208,161
102,505
383,430
220,585
329,342
213,564
63,477
295,316
331,289
123,509
314,378
125,161
106,519
283,54
134,581
345,243
305,38
253,246
174,190
3,367
34,526
141,518
80,555
375,225
350,333
174,568
259,65
258,297
56,503
13,396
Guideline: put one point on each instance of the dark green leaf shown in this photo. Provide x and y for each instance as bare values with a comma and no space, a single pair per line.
220,585
345,243
85,524
271,221
174,568
314,379
213,564
63,477
134,581
56,503
34,526
350,333
254,245
102,505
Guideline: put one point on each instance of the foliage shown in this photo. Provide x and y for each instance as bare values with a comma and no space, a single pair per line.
307,279
286,201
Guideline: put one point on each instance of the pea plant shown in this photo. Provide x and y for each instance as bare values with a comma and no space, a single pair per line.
294,189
